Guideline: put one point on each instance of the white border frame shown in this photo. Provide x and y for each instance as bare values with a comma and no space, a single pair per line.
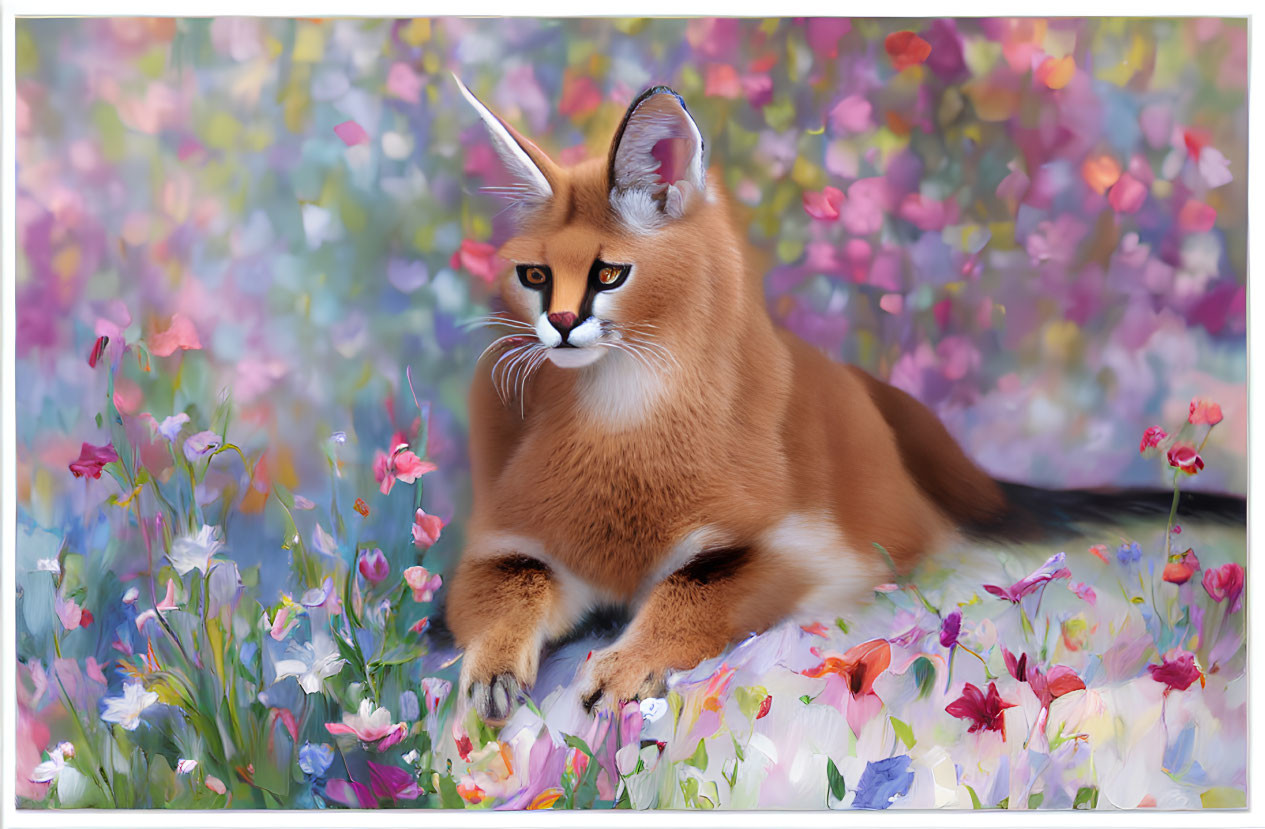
10,816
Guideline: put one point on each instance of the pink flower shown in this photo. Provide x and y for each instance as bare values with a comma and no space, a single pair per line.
91,459
478,258
373,566
215,784
1059,681
370,725
1084,591
1178,671
350,793
1225,583
351,133
426,529
1127,194
1052,569
1204,411
70,613
1186,458
823,206
722,81
1196,217
852,114
401,464
1152,438
179,335
984,711
419,627
1181,568
423,583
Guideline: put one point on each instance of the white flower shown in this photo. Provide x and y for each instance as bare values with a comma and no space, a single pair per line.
126,710
51,768
316,661
411,757
653,708
48,564
194,551
131,595
170,427
185,766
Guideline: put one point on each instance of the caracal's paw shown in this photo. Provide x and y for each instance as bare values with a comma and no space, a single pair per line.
496,699
613,676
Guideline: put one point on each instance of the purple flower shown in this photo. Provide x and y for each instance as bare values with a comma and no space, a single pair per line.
350,793
950,628
374,566
1129,553
201,445
883,780
1052,569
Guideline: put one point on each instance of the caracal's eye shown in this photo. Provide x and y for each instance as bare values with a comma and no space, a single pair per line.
608,275
535,277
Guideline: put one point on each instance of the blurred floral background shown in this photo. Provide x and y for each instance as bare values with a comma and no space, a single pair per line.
248,253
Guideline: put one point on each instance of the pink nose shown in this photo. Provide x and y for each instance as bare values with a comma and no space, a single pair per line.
562,320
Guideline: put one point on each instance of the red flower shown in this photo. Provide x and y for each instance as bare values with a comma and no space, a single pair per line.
906,49
91,459
859,666
1059,681
1181,568
86,618
1185,458
1151,438
764,707
1178,671
1225,583
1204,411
362,507
1018,668
984,712
98,349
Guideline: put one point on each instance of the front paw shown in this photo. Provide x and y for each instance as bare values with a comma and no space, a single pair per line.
495,699
619,676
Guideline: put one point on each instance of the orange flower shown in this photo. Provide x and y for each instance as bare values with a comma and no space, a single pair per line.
362,507
859,666
470,793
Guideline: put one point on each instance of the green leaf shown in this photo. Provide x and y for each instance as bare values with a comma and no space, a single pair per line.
577,743
1223,797
1034,800
903,731
924,676
1086,798
841,624
804,698
975,804
448,796
749,698
1004,803
699,758
837,787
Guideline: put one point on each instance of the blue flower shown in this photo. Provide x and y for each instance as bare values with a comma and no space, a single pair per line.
1129,553
315,759
881,781
409,709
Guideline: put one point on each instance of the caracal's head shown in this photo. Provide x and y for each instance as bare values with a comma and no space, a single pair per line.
621,254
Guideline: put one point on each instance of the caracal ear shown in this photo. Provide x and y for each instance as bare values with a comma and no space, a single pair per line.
656,161
534,173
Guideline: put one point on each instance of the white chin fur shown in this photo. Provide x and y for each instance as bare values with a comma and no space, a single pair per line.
575,357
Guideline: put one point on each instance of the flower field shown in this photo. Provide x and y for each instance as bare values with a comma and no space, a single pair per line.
250,255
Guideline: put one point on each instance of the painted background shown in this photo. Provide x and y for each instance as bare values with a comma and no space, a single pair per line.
1036,227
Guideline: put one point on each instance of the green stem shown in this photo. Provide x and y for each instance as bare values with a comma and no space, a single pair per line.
1172,515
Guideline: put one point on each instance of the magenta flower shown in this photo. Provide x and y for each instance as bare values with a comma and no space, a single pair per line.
1152,438
1059,681
1177,672
1018,668
950,628
823,206
350,793
984,711
1052,569
423,583
426,529
373,566
391,783
1186,458
91,459
1225,584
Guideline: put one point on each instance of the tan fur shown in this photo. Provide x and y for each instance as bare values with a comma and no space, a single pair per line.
752,426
